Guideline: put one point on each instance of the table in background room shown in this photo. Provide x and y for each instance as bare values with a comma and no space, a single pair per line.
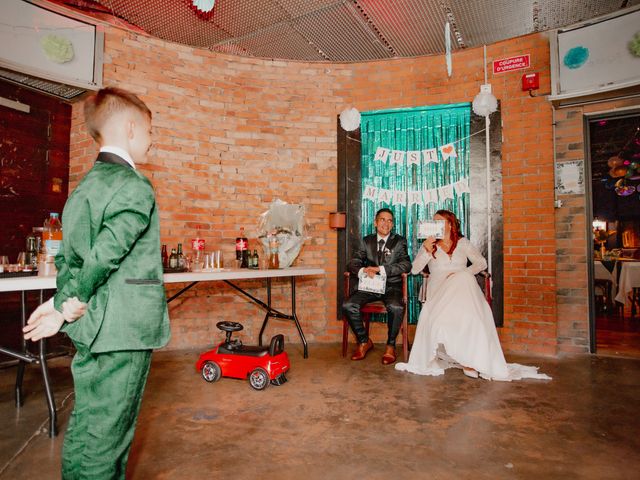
627,283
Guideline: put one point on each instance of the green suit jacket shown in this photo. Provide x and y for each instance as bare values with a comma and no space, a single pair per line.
110,259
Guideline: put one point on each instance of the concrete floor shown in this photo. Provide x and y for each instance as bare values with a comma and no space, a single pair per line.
337,419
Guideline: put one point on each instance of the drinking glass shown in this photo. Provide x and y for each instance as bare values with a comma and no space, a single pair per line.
4,260
22,256
208,264
219,262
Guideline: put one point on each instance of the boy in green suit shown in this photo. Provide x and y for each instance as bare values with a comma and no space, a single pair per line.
110,296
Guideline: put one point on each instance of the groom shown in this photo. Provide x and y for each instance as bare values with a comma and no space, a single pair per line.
383,252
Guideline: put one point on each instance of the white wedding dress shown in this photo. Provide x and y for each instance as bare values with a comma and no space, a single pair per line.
456,326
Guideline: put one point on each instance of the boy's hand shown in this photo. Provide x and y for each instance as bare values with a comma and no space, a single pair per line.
72,309
45,321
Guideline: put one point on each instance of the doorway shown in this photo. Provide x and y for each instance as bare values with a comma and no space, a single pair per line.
614,160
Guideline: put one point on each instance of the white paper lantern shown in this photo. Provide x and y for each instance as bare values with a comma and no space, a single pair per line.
485,103
350,119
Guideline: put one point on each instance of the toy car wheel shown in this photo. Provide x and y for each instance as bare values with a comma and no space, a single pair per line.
259,379
211,372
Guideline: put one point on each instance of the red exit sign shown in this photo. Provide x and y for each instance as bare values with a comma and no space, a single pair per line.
512,63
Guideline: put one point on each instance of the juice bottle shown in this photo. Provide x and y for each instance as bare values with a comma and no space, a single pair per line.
52,236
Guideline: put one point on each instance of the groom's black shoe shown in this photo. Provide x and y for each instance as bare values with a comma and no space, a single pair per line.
389,356
361,350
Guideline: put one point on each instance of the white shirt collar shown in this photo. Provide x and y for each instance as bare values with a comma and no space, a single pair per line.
121,152
383,238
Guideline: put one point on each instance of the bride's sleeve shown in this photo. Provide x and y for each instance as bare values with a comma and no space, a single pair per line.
478,262
421,260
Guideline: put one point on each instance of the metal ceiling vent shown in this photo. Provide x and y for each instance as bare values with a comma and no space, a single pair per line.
59,90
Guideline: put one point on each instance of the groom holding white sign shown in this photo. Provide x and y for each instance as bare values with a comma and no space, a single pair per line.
382,256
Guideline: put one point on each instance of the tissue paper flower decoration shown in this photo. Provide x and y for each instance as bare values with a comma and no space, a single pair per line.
576,57
350,119
203,8
57,49
634,45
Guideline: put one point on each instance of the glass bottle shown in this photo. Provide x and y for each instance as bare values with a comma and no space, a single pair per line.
255,260
173,259
165,257
31,259
182,262
197,251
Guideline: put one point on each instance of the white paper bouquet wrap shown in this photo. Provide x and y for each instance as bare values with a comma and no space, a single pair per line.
375,284
286,223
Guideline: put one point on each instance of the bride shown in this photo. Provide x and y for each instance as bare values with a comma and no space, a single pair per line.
456,327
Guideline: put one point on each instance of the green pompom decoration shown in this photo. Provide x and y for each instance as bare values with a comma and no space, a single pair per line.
57,49
634,45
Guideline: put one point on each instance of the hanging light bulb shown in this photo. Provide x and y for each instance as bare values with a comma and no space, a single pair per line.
485,103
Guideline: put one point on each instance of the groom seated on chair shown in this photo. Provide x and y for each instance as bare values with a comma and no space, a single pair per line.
383,253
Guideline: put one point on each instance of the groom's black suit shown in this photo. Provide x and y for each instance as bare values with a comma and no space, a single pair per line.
395,261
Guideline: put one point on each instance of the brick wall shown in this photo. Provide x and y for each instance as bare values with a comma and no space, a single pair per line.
232,134
571,228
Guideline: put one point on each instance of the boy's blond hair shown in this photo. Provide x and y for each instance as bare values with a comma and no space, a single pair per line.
99,107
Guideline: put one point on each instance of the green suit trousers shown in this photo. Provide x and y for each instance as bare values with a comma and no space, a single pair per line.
108,394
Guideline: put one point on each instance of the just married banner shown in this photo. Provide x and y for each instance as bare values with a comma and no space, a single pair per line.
414,157
416,197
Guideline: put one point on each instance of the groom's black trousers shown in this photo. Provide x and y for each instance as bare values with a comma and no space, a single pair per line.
392,299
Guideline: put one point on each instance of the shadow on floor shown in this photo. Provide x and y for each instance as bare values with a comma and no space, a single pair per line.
337,419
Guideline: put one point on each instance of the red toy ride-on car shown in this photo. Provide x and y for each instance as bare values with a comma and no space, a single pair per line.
261,365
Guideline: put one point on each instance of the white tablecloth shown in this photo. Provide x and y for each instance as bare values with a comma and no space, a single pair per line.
629,279
600,272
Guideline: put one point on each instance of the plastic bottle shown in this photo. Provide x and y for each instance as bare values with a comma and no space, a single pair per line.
274,258
241,244
52,236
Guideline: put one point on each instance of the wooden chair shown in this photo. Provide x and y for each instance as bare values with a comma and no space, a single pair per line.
376,307
603,295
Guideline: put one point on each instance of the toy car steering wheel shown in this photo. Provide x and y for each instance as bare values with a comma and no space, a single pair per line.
229,326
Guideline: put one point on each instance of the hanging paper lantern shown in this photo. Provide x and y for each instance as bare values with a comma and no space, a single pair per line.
485,103
350,119
203,8
625,190
615,161
617,172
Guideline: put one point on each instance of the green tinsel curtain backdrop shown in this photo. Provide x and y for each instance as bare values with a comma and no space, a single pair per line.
410,129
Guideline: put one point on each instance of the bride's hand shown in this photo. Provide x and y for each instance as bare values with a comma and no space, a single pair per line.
429,243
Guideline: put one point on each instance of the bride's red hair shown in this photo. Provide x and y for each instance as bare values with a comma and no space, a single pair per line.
455,228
